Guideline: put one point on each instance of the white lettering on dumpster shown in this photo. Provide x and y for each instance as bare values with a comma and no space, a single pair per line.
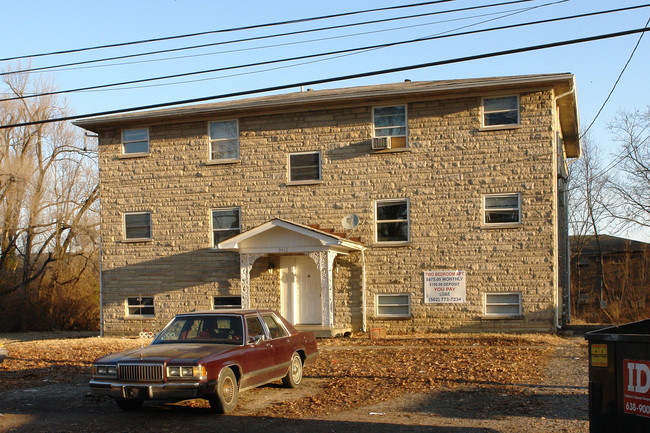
636,398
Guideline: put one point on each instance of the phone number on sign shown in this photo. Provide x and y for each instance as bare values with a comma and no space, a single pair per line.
637,409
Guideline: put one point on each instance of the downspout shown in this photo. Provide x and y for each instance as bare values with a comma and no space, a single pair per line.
558,317
363,290
101,292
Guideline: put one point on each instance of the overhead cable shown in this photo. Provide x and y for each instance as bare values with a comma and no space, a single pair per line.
334,79
306,56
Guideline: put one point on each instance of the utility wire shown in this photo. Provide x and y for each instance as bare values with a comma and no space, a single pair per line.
615,84
233,29
307,56
334,79
255,38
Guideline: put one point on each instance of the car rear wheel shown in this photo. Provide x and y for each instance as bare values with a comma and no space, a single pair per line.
294,375
225,399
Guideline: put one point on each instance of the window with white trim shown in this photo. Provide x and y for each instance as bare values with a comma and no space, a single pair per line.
220,302
225,224
135,141
394,305
391,122
304,167
501,209
392,221
137,226
224,140
501,111
503,304
140,306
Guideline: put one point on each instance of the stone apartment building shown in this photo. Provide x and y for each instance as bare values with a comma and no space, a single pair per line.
408,207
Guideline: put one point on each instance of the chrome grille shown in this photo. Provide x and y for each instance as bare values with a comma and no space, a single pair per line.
141,372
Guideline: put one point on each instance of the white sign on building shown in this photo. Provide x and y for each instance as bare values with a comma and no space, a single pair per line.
444,287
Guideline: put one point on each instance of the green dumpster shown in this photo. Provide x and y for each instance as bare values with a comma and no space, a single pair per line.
619,378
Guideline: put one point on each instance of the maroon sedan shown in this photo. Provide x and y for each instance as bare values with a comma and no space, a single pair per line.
211,355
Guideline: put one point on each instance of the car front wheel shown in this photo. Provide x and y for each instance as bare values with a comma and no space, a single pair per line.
225,399
294,375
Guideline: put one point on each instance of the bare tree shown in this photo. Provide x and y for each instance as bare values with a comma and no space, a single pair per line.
632,131
48,190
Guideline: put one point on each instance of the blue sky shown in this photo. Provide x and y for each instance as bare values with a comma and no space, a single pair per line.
43,26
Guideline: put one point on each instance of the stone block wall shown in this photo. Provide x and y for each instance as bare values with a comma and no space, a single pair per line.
451,162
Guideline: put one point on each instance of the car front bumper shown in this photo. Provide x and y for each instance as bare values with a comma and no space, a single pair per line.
148,391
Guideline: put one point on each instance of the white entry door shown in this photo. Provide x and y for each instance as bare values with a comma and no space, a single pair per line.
301,291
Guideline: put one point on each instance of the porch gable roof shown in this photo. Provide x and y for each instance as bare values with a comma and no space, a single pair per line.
281,236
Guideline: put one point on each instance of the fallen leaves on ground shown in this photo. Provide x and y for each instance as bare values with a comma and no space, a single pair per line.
353,372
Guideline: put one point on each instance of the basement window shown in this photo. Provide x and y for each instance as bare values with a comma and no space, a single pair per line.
227,302
503,304
394,305
140,306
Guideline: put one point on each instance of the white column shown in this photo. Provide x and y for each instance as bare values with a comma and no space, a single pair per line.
324,261
246,262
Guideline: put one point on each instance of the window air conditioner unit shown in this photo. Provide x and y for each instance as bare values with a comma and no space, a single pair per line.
380,143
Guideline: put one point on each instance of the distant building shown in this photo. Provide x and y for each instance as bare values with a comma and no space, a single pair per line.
626,283
416,206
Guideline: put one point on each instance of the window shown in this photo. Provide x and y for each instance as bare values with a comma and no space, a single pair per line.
502,209
219,302
391,122
254,327
275,328
501,111
135,141
392,219
503,304
304,167
224,140
225,224
139,306
137,226
394,305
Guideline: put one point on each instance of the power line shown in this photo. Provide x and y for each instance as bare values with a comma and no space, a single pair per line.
310,56
255,38
334,79
233,29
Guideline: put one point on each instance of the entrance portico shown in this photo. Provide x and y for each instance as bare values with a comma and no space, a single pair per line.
305,269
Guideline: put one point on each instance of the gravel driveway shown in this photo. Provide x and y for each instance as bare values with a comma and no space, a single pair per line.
347,392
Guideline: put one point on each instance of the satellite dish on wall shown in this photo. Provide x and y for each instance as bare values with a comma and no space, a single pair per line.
350,221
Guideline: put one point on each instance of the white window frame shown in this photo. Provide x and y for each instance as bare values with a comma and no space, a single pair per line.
213,230
378,296
212,141
226,306
408,221
486,305
485,112
485,212
125,143
405,126
141,305
134,239
305,181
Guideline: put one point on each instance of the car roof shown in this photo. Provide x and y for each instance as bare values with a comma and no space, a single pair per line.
230,311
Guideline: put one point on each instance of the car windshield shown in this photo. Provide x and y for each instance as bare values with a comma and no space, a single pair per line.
221,329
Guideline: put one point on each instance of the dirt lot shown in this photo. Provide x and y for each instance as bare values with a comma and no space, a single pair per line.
430,383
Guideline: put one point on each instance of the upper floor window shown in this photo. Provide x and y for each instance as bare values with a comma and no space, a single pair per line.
224,140
501,209
501,111
135,141
137,226
140,306
304,167
392,219
225,224
390,122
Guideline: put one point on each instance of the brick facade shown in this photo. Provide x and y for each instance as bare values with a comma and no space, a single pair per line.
450,164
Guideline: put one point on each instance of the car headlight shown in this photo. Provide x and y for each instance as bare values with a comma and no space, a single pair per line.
196,372
105,370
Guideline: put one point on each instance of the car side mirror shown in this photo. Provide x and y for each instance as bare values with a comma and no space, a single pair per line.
255,339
